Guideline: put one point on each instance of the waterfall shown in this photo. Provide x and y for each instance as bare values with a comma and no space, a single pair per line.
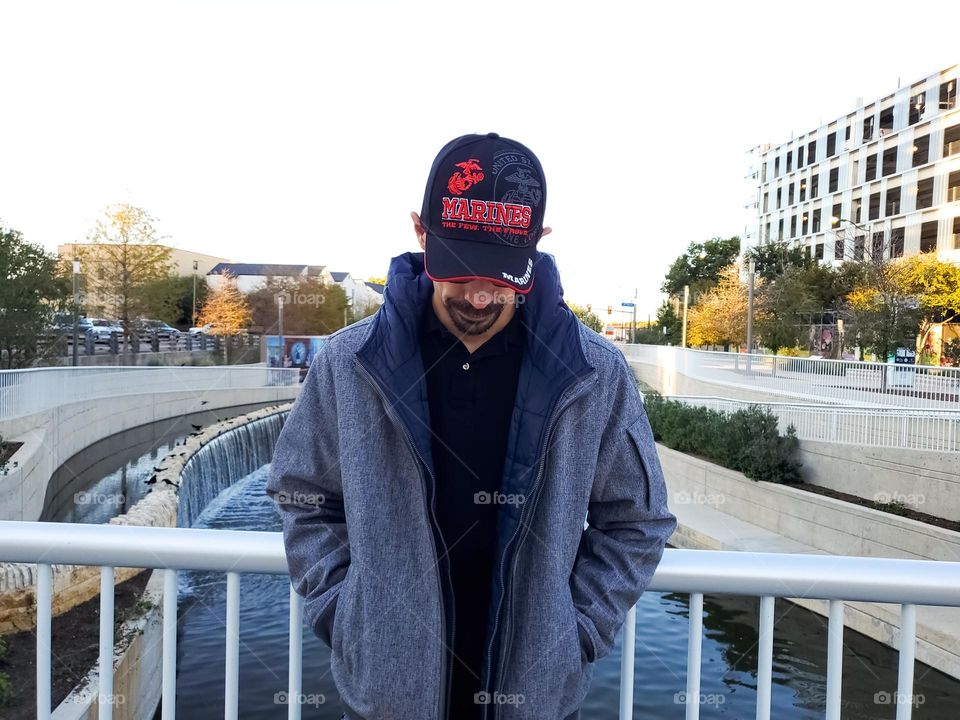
224,460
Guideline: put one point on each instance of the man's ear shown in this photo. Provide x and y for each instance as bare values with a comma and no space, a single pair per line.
546,231
420,230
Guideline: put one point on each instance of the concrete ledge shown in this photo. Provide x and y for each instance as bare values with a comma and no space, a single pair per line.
719,509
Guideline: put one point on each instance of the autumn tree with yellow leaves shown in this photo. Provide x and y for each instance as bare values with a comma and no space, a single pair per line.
225,309
719,316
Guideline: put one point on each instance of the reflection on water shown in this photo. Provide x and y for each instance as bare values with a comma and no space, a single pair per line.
728,685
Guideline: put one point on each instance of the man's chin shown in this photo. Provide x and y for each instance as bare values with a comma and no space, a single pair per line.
472,326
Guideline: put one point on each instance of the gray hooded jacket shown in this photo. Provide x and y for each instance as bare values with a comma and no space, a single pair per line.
353,480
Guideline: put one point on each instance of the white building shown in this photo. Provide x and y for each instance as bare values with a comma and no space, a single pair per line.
250,276
883,178
360,293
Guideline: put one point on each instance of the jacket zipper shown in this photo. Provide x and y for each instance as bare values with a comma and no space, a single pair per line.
555,418
446,676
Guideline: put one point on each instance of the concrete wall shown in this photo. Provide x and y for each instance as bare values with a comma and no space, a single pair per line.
670,382
53,436
719,509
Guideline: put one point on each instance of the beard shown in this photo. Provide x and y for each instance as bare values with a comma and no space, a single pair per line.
470,321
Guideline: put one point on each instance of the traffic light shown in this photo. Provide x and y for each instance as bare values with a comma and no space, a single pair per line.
609,309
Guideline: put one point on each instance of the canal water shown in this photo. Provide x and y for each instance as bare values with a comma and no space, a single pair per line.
728,688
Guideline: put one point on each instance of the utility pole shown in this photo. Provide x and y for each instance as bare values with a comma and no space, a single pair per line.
633,329
686,301
752,270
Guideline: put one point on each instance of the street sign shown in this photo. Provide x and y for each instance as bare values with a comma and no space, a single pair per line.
626,304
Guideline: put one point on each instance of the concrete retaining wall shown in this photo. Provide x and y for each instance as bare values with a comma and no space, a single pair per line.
735,513
53,436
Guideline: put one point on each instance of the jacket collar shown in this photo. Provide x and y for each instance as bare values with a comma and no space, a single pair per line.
554,355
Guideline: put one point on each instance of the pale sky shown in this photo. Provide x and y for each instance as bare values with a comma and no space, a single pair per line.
302,132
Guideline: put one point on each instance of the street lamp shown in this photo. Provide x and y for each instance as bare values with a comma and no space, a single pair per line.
752,273
867,233
193,314
76,308
686,301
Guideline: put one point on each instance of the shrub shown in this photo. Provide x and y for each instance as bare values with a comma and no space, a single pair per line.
747,440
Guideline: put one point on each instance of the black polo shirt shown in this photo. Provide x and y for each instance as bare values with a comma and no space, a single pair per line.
471,399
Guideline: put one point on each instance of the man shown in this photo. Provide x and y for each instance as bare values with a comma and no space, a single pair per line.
434,474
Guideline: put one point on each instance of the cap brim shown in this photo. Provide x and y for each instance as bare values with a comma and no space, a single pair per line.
460,260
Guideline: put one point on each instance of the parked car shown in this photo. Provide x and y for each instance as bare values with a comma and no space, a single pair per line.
63,325
158,327
101,329
202,330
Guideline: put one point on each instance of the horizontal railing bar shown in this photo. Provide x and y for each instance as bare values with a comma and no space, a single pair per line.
827,408
825,577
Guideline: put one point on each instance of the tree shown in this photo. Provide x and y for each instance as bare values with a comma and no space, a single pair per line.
124,256
885,311
32,289
935,284
587,317
225,309
377,280
720,316
772,259
310,307
700,266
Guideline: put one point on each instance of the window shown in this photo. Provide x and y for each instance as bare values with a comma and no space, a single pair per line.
776,167
948,95
917,105
780,229
921,151
886,121
812,151
814,185
846,135
766,202
763,173
858,248
953,187
805,225
871,167
874,206
857,209
799,157
876,249
835,216
816,220
896,243
834,179
956,233
925,193
928,236
838,249
779,197
831,144
889,161
793,226
893,201
818,251
803,190
790,194
951,141
868,128
790,161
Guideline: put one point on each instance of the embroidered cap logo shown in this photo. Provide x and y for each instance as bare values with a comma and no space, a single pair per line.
469,174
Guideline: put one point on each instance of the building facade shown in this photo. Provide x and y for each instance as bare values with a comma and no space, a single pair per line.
883,179
181,261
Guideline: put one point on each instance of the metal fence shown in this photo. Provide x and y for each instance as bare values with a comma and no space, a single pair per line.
698,572
23,392
828,381
887,427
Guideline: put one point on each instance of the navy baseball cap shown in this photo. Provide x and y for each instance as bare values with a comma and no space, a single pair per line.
483,212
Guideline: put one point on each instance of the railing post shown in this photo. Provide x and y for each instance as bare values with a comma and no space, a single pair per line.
105,711
908,645
834,659
765,657
44,611
628,650
232,683
694,646
295,656
168,700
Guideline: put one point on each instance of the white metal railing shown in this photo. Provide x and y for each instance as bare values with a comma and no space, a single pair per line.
818,380
23,392
888,427
697,572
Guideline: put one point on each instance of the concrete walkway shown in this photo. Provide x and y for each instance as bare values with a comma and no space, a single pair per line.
704,527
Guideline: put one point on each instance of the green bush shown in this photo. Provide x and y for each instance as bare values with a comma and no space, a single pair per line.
746,440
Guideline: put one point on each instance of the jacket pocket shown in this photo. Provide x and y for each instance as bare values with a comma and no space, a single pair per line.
341,620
